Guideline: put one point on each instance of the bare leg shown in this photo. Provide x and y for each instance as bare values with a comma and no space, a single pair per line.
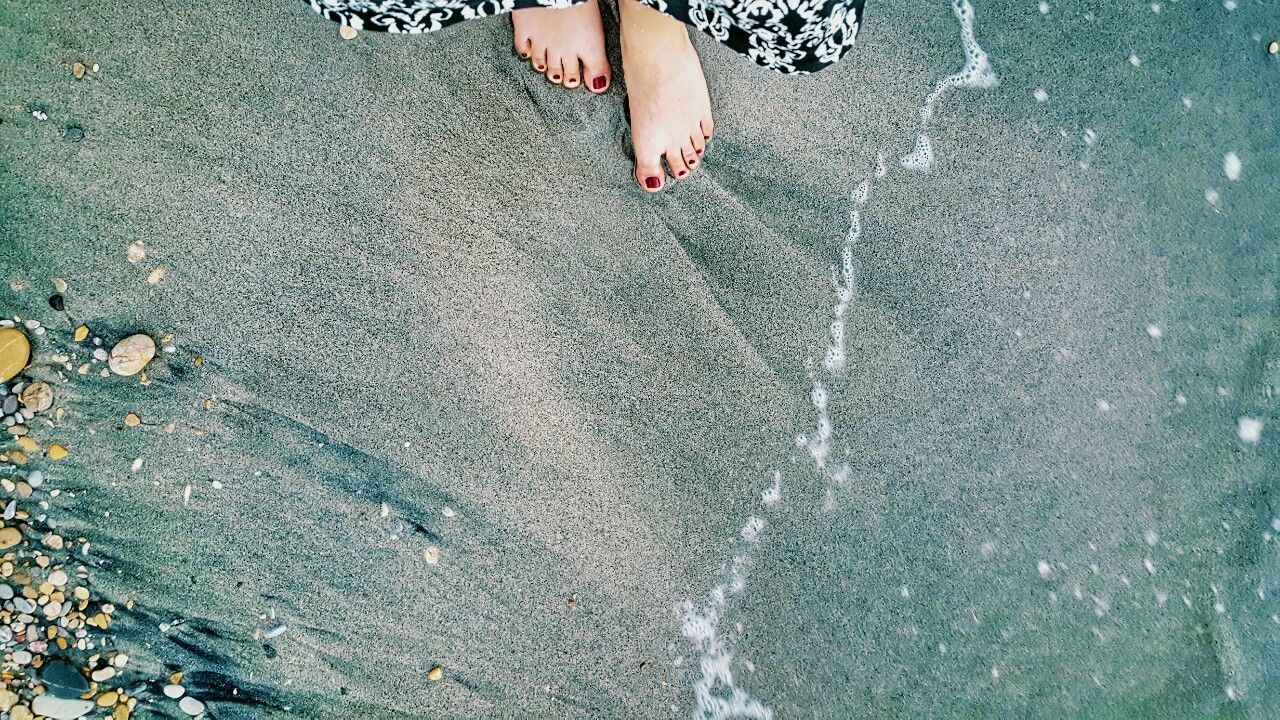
666,94
567,44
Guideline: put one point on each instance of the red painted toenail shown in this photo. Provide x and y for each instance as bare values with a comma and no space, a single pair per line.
599,82
653,183
555,77
698,150
680,174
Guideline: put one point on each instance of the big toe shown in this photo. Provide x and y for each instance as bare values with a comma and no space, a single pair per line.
649,173
596,74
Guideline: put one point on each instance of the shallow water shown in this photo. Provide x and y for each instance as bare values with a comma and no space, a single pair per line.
821,432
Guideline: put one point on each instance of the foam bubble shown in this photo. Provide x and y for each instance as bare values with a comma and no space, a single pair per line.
920,158
976,73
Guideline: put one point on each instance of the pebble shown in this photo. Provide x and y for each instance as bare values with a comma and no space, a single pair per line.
59,708
191,706
9,405
78,70
103,674
57,302
60,285
132,420
37,396
137,251
6,592
174,691
132,354
35,478
22,657
9,536
63,679
347,32
156,275
81,333
1274,47
58,451
435,673
15,352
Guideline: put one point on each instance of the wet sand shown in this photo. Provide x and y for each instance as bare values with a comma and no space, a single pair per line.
435,316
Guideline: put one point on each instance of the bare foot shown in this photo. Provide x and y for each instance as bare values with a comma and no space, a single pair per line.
666,94
565,43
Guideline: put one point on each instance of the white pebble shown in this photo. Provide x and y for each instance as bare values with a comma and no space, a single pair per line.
1249,429
1040,95
1231,166
191,706
1154,331
174,691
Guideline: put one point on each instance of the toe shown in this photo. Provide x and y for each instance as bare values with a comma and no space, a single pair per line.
595,73
538,57
698,142
572,76
707,126
649,171
555,70
524,46
690,157
675,162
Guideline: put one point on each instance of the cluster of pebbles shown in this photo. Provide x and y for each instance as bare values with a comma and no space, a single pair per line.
58,660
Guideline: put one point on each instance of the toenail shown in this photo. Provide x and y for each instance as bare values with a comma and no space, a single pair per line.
524,56
599,82
652,182
555,77
698,150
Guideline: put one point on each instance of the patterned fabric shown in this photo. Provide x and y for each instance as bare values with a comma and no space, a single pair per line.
790,36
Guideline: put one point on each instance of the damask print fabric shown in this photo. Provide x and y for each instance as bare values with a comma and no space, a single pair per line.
790,36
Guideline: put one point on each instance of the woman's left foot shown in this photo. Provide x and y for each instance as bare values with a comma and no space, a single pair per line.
566,44
666,94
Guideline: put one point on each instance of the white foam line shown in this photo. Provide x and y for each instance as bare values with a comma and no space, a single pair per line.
976,73
718,696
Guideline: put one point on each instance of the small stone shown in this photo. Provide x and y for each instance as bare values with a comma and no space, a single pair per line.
78,70
191,706
137,251
132,354
58,578
1273,47
57,451
431,555
103,674
175,691
156,275
58,708
60,285
6,593
35,478
435,673
15,352
9,536
22,657
38,396
347,32
73,133
107,699
8,699
63,679
9,405
20,713
57,302
132,420
82,332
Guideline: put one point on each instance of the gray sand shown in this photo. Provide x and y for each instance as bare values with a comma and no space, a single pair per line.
419,275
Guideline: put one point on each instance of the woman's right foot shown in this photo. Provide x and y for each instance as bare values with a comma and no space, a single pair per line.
666,94
566,44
